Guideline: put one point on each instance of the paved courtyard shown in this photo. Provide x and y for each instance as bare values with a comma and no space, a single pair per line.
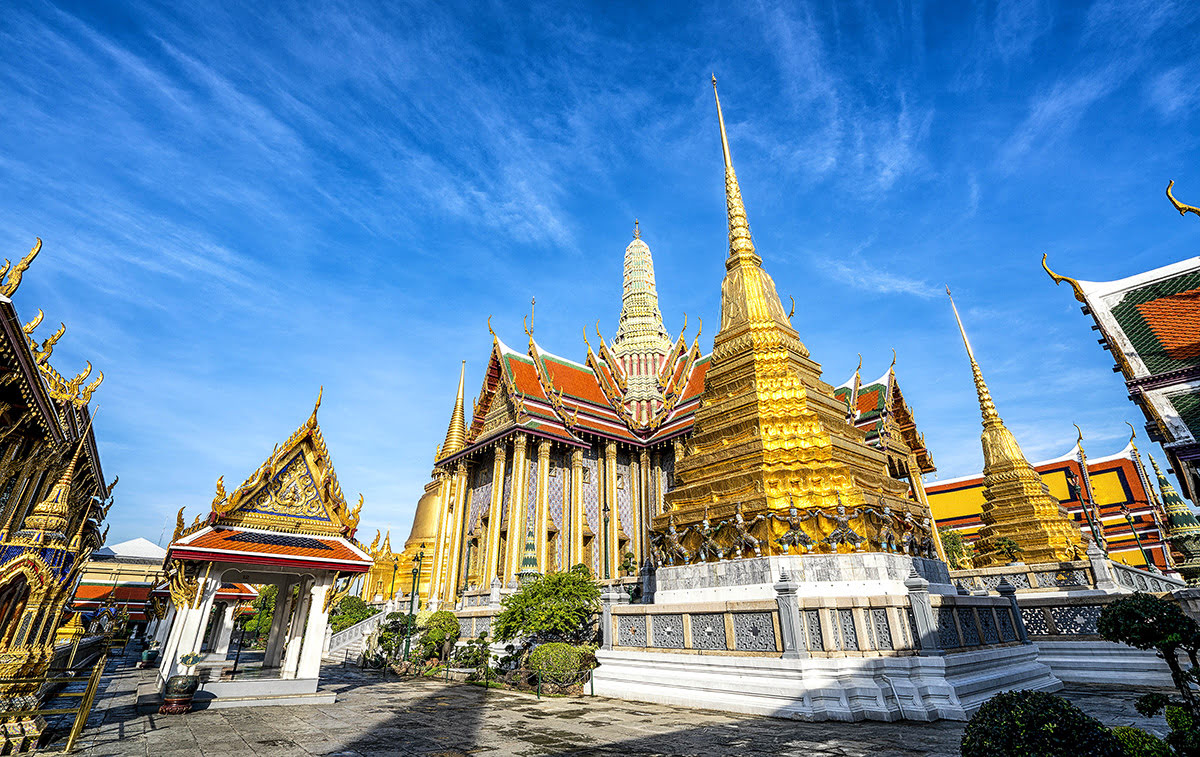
424,717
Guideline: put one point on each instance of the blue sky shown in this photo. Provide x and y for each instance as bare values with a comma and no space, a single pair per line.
240,206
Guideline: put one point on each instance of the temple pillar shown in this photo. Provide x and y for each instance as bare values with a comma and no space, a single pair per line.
542,513
517,510
574,555
609,499
314,628
188,628
460,505
918,487
295,631
164,626
279,620
221,639
491,564
645,513
440,556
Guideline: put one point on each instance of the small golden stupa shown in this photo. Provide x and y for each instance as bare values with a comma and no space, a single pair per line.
1017,503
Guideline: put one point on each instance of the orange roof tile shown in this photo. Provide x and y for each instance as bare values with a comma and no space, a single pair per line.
1175,320
270,547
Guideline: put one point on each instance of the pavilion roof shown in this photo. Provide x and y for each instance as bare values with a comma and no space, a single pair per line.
231,544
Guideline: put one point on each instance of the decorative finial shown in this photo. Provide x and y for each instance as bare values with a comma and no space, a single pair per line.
13,278
1182,208
986,406
741,245
1079,436
893,366
1060,279
637,231
1132,432
532,305
793,310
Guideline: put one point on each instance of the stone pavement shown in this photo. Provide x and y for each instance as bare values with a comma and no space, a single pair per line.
374,716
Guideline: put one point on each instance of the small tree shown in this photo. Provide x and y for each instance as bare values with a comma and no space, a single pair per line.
629,564
264,612
952,543
1008,547
1036,723
440,634
554,607
1144,621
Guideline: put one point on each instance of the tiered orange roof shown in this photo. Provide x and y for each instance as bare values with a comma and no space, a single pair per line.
561,399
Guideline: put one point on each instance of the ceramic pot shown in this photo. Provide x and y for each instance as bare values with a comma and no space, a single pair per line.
178,693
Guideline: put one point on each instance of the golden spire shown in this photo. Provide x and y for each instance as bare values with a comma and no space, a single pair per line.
456,434
986,406
50,515
741,246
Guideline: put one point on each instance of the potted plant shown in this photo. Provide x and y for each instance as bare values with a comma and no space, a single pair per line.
149,655
178,693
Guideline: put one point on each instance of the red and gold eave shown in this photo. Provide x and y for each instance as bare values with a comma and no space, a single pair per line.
566,401
881,412
226,544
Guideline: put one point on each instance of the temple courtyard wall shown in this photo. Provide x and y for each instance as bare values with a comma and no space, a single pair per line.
861,636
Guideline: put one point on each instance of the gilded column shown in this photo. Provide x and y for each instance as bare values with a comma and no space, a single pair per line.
492,565
918,487
644,511
576,498
516,516
441,539
542,522
460,503
610,500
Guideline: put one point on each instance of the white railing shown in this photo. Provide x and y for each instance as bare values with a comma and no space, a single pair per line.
1144,580
359,630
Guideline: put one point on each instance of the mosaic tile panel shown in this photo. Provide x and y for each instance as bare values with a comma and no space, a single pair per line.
1072,577
947,634
881,628
482,626
812,623
913,641
1035,621
708,631
1018,580
481,496
624,494
966,623
987,622
668,631
1008,632
754,631
849,638
1125,579
631,630
556,494
506,494
1076,621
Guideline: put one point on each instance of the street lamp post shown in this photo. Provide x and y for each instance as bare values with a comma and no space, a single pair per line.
607,574
412,598
395,566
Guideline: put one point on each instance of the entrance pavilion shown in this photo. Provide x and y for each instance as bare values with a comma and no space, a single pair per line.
289,526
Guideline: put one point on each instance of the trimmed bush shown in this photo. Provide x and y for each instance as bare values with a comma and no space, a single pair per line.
1138,743
1036,724
441,632
1184,737
558,662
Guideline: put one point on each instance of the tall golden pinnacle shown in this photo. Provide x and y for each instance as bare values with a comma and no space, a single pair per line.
456,434
50,515
1017,503
769,434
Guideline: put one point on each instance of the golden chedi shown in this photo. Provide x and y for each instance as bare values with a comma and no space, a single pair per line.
1017,503
772,456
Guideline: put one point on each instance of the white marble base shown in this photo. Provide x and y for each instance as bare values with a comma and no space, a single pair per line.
1104,663
854,574
847,688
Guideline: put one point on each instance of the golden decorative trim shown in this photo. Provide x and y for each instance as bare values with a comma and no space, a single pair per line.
1182,208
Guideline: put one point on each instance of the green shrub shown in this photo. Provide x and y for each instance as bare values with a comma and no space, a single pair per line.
1036,724
350,610
1184,737
1138,743
441,632
557,662
554,607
